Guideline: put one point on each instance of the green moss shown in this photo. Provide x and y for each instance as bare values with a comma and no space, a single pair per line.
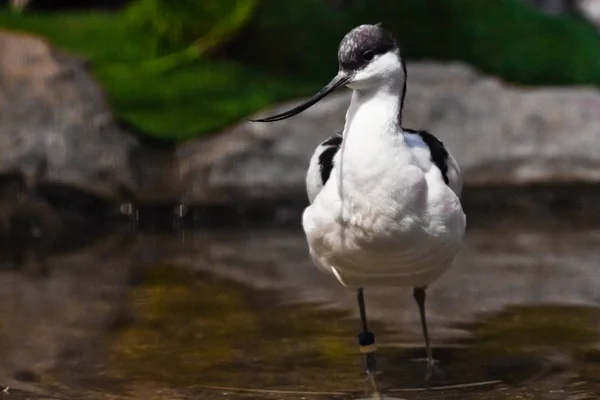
196,329
100,38
513,40
177,330
183,103
193,24
169,98
526,330
507,38
300,37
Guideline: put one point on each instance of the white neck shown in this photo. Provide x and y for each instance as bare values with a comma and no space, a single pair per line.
375,112
371,136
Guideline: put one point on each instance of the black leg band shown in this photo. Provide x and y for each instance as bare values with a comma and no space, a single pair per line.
366,341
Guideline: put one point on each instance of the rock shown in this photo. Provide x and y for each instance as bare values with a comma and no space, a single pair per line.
258,161
554,7
53,111
590,9
503,134
500,134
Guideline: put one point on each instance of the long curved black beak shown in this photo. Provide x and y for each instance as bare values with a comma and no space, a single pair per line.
340,80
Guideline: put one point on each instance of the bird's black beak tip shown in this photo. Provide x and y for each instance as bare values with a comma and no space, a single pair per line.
258,120
338,81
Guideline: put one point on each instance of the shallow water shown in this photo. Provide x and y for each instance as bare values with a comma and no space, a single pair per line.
242,313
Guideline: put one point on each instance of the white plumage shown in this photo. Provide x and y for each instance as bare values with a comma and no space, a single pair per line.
384,201
385,216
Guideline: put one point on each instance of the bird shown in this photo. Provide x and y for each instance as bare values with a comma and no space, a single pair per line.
384,200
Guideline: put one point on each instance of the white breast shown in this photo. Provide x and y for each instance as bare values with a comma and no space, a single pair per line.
385,217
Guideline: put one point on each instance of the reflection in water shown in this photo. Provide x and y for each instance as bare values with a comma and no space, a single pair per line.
244,313
29,226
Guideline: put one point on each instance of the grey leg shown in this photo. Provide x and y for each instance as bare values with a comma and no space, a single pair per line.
419,295
366,341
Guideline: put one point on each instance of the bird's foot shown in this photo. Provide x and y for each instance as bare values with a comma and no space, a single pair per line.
433,369
373,381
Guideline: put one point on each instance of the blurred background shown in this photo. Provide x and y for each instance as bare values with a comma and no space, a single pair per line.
150,238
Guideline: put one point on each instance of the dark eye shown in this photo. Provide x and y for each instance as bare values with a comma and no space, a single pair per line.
368,55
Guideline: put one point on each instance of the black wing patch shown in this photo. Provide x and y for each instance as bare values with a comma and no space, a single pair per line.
332,145
439,154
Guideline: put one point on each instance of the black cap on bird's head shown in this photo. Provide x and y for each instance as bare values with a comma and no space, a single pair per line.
363,60
360,46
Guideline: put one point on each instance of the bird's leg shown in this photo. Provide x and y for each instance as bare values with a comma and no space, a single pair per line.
366,341
419,295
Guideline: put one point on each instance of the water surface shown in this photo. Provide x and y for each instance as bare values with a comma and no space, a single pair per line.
242,313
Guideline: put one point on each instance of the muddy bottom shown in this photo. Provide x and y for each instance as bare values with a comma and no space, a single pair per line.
243,314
